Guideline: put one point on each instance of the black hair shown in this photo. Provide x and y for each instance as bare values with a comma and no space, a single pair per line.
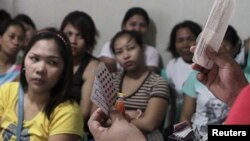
232,36
84,24
4,15
132,34
25,19
194,28
135,11
63,89
7,23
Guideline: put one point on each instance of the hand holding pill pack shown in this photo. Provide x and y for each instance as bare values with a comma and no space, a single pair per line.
214,31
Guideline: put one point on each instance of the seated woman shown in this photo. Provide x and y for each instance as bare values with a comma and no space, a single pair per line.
30,30
182,37
82,32
45,109
201,107
135,19
11,38
146,93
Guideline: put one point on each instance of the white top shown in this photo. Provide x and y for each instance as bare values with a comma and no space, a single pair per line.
152,55
209,110
177,71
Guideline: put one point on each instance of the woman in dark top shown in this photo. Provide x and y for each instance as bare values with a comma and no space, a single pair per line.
81,31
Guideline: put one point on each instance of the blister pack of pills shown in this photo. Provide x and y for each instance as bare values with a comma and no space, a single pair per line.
214,31
104,92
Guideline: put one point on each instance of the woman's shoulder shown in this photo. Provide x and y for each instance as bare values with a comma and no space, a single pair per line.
156,77
8,91
173,61
93,64
66,118
10,86
68,106
150,48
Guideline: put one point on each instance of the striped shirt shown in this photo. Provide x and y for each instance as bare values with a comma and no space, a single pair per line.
153,86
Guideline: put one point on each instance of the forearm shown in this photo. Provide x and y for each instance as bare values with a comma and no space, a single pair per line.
145,126
188,108
185,117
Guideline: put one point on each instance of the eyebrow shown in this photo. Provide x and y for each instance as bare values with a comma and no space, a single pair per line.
45,56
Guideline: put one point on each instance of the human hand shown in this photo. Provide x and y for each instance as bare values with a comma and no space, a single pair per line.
225,79
119,130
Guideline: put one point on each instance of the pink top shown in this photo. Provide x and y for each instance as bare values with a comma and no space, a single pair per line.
240,111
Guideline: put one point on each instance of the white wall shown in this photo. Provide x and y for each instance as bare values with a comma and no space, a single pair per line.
108,14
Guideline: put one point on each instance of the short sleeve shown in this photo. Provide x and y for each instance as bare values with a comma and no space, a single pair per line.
189,85
169,71
1,101
160,89
152,56
6,95
66,119
106,51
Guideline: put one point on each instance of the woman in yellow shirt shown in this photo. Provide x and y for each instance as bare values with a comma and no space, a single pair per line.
49,112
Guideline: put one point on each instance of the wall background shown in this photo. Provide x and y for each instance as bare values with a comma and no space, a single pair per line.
108,15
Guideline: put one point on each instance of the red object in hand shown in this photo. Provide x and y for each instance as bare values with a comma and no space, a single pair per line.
119,105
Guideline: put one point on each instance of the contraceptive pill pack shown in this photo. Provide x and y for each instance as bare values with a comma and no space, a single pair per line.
214,31
104,92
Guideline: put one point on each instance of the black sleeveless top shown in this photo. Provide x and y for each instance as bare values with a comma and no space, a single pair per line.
77,79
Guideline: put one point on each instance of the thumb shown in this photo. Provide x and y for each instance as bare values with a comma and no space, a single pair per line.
95,122
114,115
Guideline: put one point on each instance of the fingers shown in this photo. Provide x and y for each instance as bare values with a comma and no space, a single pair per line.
202,78
116,115
196,66
127,117
212,55
220,58
98,115
95,121
192,49
199,68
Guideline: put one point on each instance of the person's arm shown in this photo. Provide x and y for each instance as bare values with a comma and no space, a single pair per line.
156,109
225,79
190,97
89,78
119,130
188,108
66,123
108,58
153,116
110,63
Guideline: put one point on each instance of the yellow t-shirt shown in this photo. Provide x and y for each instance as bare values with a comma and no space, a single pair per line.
65,119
